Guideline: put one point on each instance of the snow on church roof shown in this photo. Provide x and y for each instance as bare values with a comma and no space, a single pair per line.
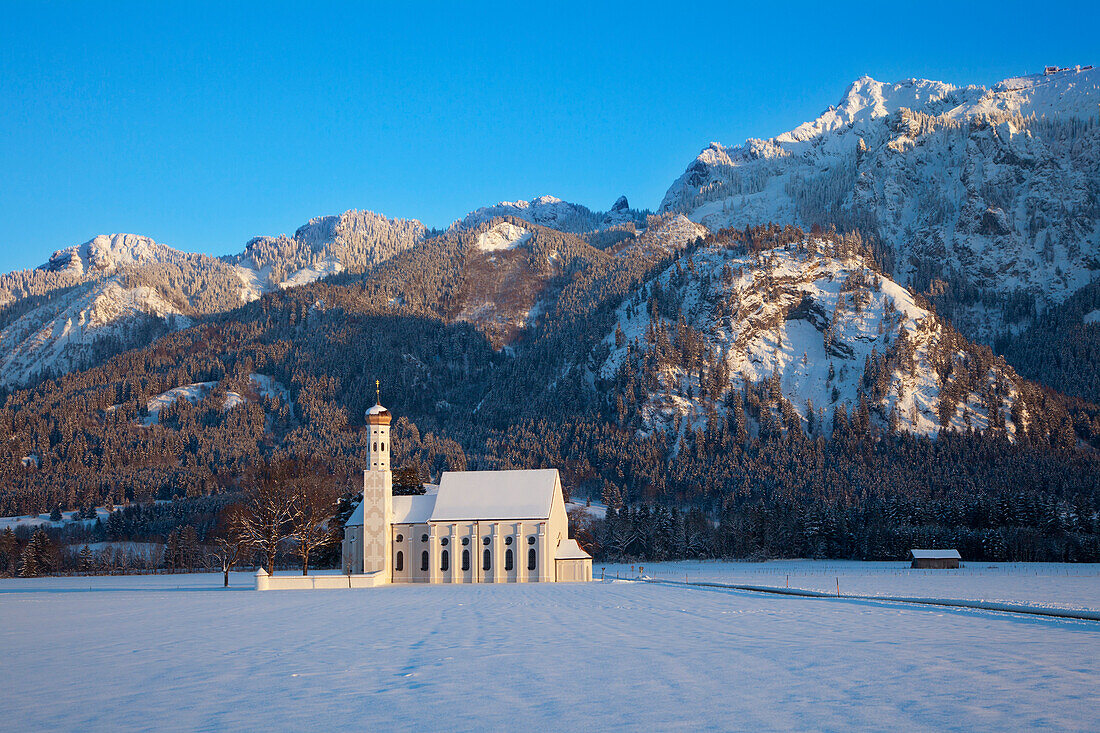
413,509
518,494
570,550
356,518
406,509
377,410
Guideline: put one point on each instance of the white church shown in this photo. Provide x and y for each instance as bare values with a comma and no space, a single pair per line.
474,527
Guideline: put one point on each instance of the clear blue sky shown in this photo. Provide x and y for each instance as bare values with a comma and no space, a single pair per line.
204,125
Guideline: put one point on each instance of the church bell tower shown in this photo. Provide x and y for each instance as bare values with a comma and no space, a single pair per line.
377,491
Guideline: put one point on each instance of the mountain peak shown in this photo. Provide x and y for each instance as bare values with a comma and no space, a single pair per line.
548,211
107,252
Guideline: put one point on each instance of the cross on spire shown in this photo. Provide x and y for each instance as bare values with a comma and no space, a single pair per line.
378,391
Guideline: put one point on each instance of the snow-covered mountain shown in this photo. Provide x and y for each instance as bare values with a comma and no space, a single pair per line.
106,254
986,198
514,275
353,241
71,329
801,329
122,290
553,213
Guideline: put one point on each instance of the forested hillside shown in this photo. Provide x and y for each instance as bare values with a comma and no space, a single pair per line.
877,330
293,372
116,292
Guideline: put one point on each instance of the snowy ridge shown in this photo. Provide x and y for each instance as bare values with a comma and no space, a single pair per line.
818,328
61,334
354,241
504,235
665,235
107,253
997,186
553,213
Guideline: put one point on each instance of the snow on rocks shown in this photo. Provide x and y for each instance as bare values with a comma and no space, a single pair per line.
996,186
504,235
59,334
107,253
254,281
553,213
193,393
306,275
818,327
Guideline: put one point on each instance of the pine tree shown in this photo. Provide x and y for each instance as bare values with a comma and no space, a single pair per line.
171,550
86,560
37,555
188,548
9,552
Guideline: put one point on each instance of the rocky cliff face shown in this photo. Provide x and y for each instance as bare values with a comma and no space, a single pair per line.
553,213
988,199
803,329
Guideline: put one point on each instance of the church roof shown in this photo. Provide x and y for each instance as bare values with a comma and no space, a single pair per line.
413,509
356,518
378,410
476,495
406,509
484,495
570,550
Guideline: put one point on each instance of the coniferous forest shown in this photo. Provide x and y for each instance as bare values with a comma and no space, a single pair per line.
747,475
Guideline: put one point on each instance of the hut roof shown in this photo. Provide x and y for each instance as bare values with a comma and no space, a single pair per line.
935,554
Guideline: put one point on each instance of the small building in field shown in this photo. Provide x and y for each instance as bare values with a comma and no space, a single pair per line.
474,527
935,559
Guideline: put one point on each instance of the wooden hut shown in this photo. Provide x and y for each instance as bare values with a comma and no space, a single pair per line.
935,559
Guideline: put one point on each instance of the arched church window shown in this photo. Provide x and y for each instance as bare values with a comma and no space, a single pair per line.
423,538
508,559
485,541
399,562
424,561
445,560
465,560
531,559
531,539
383,446
486,560
444,541
465,541
400,538
507,540
376,447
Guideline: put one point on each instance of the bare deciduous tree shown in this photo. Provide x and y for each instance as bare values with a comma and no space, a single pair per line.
229,540
271,509
313,529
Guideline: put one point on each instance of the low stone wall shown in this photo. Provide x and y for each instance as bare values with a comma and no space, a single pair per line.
316,582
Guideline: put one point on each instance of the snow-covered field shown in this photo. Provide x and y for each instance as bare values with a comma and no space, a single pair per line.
1070,586
182,653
